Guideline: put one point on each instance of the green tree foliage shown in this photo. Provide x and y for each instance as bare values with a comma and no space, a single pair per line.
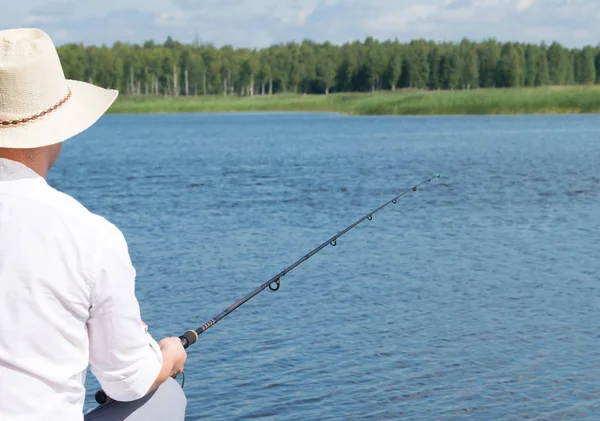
327,57
489,56
435,69
543,74
598,66
469,69
249,69
585,66
530,65
509,67
347,69
415,69
450,70
558,64
173,68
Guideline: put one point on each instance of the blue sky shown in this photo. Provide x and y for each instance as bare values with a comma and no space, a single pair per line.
258,23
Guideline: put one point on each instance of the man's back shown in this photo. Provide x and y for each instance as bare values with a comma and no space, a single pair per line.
67,284
66,299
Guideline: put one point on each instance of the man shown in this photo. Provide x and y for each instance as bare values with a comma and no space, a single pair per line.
67,297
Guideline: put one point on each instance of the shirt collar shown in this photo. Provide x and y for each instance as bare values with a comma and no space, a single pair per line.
12,170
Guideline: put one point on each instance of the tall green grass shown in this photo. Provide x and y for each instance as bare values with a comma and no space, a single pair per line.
547,100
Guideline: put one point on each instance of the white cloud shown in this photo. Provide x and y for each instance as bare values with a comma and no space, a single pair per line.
401,19
543,32
61,35
458,15
30,20
303,15
570,22
486,3
169,18
524,4
257,23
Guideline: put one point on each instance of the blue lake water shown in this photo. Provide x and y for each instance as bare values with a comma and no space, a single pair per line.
475,298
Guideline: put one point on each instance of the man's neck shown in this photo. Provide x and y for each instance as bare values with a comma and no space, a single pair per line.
31,159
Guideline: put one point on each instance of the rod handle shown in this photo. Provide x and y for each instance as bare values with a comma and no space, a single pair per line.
188,338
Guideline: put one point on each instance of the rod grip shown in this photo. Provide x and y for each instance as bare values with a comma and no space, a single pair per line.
188,338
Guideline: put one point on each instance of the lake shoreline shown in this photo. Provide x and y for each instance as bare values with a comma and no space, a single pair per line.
514,101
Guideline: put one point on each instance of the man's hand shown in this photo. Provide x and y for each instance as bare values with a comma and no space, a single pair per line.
174,356
174,349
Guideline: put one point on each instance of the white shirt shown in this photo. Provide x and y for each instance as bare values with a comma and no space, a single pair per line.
67,301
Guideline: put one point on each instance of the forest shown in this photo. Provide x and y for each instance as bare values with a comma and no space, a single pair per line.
177,69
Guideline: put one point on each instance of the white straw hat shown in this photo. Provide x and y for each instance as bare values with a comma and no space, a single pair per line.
38,105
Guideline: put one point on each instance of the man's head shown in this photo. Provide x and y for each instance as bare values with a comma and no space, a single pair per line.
39,107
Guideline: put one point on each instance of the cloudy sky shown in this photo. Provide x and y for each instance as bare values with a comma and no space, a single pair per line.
257,23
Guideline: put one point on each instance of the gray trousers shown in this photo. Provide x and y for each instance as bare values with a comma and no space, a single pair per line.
167,402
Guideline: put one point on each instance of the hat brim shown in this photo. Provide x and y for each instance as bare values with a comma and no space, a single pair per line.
87,104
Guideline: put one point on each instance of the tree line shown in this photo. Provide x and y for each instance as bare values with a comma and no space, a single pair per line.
175,69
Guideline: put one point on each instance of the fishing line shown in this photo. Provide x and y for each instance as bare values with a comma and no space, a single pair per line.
191,336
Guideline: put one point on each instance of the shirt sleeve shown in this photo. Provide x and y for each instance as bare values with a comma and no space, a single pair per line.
124,358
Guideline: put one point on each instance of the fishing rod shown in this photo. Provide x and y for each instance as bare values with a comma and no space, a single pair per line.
191,336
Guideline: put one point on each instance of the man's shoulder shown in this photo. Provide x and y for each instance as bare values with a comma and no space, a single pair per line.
73,208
